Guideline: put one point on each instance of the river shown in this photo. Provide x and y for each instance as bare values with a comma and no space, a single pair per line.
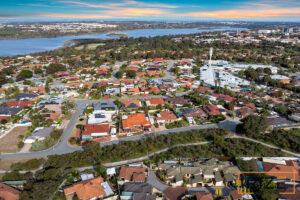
13,47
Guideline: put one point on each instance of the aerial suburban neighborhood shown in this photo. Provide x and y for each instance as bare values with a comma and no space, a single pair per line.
149,110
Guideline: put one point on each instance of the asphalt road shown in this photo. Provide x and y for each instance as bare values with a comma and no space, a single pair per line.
152,180
62,146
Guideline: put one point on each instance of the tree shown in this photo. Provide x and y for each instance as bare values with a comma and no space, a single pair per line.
24,74
55,67
119,74
101,171
251,125
131,74
282,110
20,145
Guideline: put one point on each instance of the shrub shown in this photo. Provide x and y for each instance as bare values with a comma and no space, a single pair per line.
28,165
73,140
20,144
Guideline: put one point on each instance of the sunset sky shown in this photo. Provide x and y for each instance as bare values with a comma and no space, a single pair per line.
242,10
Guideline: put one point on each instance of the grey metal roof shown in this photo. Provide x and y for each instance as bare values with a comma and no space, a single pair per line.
4,110
44,132
218,176
138,187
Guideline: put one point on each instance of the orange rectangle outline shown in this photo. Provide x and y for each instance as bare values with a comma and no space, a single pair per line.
294,188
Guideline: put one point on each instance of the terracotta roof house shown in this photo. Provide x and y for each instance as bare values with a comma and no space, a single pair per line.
178,101
102,70
39,90
225,97
131,104
140,74
203,89
134,174
158,60
155,90
152,73
62,74
166,117
245,111
136,62
155,102
8,192
52,116
90,189
235,195
175,193
135,122
279,170
132,68
193,112
94,131
132,91
15,103
204,196
283,191
213,110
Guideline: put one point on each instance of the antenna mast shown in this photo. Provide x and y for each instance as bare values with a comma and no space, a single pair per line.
210,55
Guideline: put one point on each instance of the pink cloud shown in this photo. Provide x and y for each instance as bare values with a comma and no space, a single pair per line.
260,12
77,16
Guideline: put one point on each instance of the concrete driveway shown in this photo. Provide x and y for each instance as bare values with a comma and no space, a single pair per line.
152,180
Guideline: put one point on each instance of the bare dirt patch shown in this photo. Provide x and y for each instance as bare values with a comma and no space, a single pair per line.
9,143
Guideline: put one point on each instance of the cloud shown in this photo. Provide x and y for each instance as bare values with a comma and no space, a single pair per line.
77,16
86,4
125,12
249,10
36,5
150,5
122,4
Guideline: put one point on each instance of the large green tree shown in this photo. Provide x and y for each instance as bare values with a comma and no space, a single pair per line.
251,125
24,74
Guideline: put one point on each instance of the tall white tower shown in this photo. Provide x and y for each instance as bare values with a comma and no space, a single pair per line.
210,55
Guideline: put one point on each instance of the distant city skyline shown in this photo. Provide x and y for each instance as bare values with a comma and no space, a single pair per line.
231,10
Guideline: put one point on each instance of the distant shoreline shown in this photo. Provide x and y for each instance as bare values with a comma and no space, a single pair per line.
117,35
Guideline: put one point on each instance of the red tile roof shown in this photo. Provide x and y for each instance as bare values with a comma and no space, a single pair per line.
175,193
87,189
235,195
212,109
127,102
275,169
133,90
130,173
98,128
204,196
8,192
156,101
137,119
167,115
132,68
224,97
15,103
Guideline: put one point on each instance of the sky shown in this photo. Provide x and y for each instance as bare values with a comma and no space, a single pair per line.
182,10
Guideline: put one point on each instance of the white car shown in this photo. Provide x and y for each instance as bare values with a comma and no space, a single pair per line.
129,134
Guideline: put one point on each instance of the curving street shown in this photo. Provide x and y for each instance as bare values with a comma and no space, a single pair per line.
62,146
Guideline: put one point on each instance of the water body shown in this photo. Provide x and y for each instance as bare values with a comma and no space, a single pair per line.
12,47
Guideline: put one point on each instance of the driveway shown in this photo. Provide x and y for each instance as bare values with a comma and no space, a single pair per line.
152,180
